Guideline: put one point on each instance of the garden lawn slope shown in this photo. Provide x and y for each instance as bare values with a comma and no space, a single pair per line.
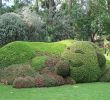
91,91
20,52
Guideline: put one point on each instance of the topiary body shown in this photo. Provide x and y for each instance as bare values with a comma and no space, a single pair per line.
84,65
15,53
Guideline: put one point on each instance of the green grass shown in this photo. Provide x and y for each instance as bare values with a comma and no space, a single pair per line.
90,91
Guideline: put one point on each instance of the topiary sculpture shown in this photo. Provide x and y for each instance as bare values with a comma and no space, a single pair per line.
84,61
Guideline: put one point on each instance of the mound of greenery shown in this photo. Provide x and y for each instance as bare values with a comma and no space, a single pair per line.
83,60
15,53
39,62
20,52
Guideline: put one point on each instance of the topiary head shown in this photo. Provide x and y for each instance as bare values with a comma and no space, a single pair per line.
83,61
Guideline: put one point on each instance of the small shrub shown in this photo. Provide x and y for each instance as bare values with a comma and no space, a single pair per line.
101,59
57,80
63,68
39,80
39,62
105,76
48,80
48,70
52,61
26,82
14,71
69,80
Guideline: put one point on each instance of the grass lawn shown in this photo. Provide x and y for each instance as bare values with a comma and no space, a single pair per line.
88,91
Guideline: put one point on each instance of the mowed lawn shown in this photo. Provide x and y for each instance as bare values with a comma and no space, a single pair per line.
87,91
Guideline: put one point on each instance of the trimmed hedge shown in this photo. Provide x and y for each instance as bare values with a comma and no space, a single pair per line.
39,62
83,61
15,53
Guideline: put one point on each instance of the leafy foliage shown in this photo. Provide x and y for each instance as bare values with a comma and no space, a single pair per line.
26,82
14,71
12,28
84,66
39,62
15,53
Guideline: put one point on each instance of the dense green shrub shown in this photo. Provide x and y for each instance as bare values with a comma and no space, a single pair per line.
63,68
83,61
39,62
101,59
12,28
105,76
15,53
26,82
14,71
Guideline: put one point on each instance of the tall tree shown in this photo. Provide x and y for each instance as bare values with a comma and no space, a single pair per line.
108,1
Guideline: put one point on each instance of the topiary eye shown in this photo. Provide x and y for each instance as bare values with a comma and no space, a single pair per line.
79,51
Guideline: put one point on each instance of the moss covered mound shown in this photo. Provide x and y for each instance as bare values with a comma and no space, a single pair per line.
83,60
15,53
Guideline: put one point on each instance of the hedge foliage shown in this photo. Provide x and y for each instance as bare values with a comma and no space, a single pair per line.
14,71
82,57
105,76
15,53
39,62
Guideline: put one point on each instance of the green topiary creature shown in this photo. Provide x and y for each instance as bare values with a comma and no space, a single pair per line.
84,62
15,53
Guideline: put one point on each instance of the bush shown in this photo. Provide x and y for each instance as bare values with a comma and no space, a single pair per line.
83,61
52,61
101,59
48,70
14,71
39,62
15,53
63,68
105,76
39,80
26,82
12,28
48,80
69,80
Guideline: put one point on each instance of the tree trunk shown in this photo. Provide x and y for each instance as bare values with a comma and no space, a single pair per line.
70,2
92,37
108,7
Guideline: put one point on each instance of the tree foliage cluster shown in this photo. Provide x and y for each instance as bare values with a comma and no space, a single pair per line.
54,20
